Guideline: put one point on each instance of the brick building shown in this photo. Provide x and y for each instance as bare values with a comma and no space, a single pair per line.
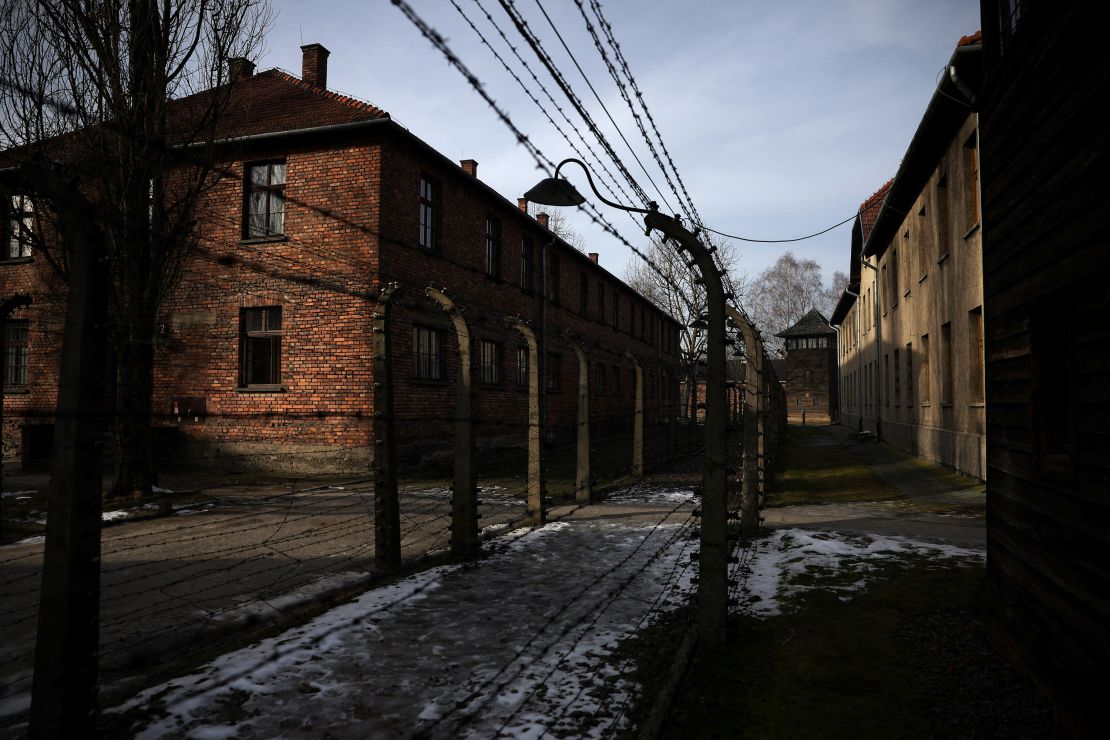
810,370
264,351
911,354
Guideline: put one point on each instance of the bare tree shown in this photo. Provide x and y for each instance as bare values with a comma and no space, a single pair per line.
125,97
672,286
560,225
787,291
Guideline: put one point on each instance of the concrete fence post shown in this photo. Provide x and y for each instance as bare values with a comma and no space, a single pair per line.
713,562
537,496
752,481
387,507
582,487
464,497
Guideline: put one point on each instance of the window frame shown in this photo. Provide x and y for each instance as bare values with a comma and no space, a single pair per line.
427,366
553,372
490,356
428,210
493,247
16,354
527,264
19,227
247,339
272,189
522,366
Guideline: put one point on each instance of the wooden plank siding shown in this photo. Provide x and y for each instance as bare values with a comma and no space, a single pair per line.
1046,259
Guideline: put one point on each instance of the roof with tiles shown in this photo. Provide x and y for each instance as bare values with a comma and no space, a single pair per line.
811,325
273,101
869,209
975,38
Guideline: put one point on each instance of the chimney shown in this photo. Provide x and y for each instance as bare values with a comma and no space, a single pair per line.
593,257
239,68
470,167
314,65
522,204
542,218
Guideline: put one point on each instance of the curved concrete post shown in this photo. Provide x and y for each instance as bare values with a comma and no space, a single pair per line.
637,419
751,486
464,498
712,559
582,488
537,496
387,508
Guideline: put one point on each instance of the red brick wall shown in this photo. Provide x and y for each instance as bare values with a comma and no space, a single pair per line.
318,274
811,384
351,227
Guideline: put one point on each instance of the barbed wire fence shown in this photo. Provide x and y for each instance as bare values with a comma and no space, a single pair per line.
188,584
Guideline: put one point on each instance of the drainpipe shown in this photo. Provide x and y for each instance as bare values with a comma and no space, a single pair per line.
839,384
878,353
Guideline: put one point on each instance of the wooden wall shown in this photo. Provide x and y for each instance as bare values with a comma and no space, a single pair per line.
1046,260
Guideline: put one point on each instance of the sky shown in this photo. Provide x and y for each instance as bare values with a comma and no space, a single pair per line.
780,117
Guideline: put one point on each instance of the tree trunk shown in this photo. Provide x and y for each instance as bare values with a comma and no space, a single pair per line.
135,474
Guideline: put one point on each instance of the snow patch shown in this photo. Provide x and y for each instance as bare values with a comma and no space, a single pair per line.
777,567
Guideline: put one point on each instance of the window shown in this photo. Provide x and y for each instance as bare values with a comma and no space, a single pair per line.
260,346
909,374
553,279
616,311
971,168
946,362
489,362
886,380
553,365
942,219
19,227
527,263
493,247
895,284
427,353
15,352
975,353
583,293
601,302
616,380
522,367
926,378
600,373
428,236
897,379
265,200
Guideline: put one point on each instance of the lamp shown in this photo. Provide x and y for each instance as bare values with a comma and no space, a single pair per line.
555,191
713,586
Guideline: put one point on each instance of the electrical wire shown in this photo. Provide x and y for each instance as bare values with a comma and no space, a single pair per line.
783,241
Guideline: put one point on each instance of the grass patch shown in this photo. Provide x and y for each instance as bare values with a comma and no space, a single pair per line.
907,658
824,474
